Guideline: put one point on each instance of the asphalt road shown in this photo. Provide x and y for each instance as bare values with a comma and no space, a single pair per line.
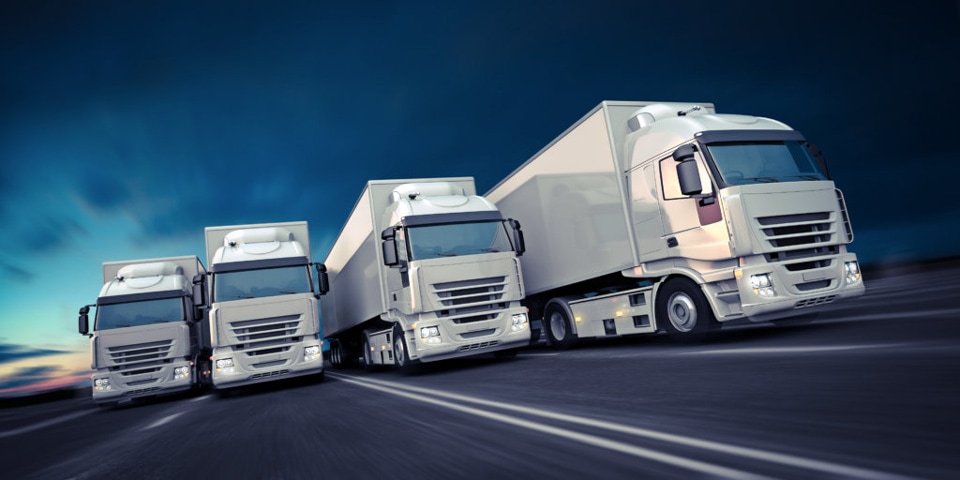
869,390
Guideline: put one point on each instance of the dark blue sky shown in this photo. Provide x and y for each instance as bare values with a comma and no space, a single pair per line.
126,127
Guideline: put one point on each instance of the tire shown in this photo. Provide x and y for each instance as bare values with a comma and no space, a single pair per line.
682,310
558,328
336,355
368,364
401,357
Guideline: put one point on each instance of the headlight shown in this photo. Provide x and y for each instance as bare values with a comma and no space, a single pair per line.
180,373
430,335
311,353
762,285
853,272
518,322
101,384
225,365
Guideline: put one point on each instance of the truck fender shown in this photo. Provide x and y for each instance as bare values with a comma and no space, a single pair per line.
562,303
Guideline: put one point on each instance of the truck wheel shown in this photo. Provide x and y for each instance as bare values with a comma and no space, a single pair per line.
368,364
336,355
401,358
683,311
556,323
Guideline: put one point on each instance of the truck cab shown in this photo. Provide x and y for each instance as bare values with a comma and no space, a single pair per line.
147,338
424,270
264,319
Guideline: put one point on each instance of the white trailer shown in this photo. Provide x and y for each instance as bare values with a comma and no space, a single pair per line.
652,215
148,337
264,320
424,270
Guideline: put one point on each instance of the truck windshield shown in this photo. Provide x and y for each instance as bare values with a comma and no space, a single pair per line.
454,239
135,314
263,282
744,163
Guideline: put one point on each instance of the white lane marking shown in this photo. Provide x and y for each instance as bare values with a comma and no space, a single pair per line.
772,457
695,465
45,423
809,349
162,421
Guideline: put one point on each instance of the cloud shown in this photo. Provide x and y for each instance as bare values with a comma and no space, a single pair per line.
14,273
13,352
49,234
30,376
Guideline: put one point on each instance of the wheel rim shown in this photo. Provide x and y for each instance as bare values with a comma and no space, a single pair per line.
399,354
558,326
682,312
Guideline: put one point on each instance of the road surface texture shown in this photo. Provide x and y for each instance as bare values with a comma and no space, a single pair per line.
869,389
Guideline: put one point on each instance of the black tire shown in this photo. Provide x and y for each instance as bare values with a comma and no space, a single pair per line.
336,355
682,310
368,364
401,357
558,327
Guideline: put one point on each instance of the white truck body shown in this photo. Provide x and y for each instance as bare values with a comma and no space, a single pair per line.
460,297
264,321
617,247
147,337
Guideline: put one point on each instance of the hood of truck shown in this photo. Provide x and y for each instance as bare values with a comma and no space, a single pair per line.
257,326
136,348
786,220
471,283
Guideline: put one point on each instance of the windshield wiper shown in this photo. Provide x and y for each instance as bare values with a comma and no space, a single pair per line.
764,179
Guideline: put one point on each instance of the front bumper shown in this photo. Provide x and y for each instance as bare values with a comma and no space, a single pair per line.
796,292
127,387
264,368
457,341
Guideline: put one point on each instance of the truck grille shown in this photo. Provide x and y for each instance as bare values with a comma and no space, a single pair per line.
478,346
800,236
269,374
264,336
810,302
140,358
142,391
470,301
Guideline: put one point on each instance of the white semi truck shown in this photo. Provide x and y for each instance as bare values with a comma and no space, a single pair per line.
652,215
264,320
148,336
424,270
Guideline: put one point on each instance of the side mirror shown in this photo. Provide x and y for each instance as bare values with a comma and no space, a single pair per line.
389,246
687,173
84,320
323,280
518,244
199,290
